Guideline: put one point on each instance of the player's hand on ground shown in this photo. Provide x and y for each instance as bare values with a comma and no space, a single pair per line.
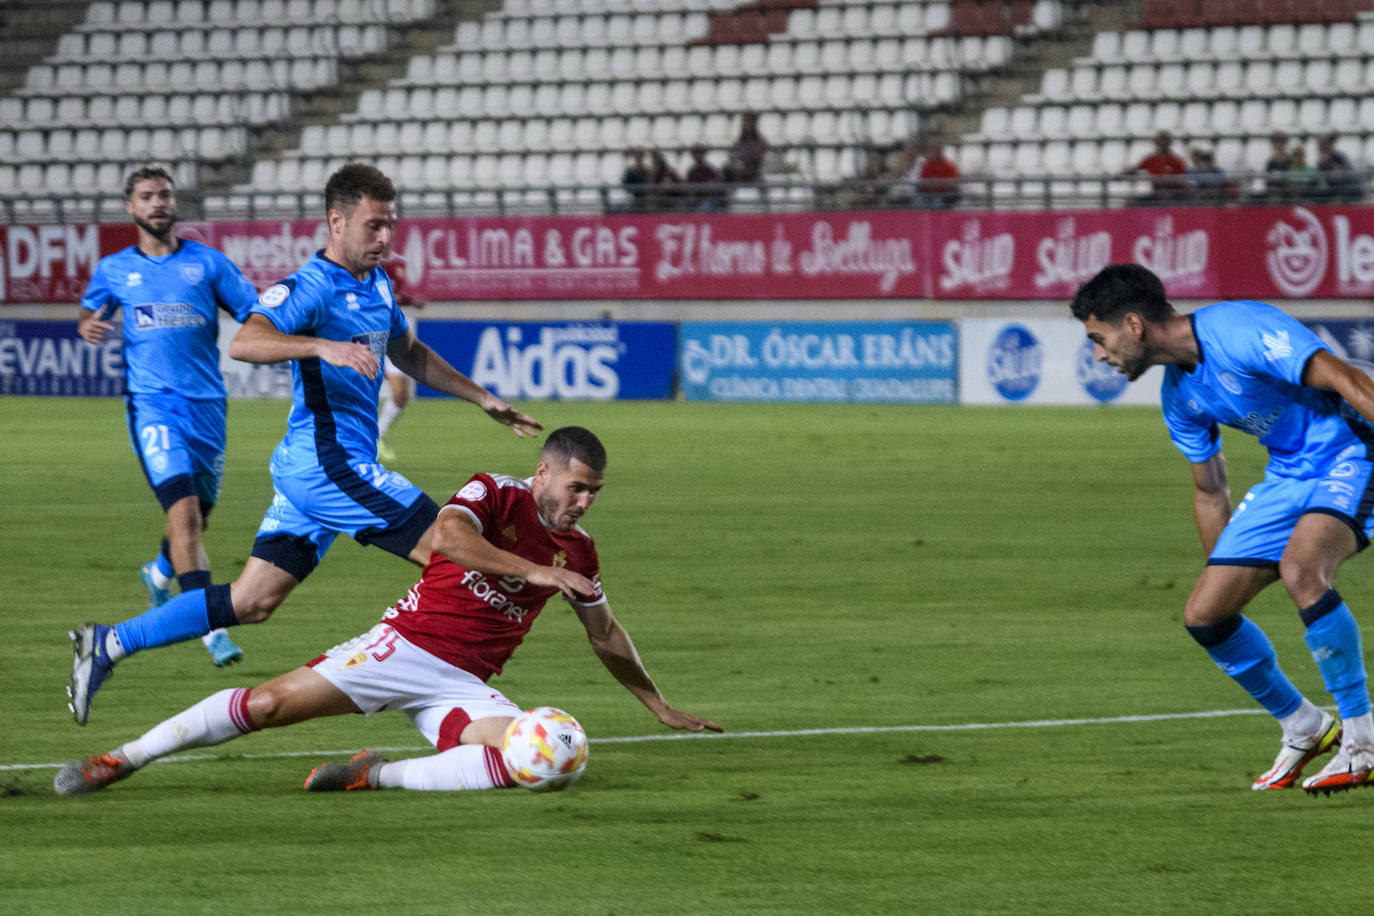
506,415
572,585
348,355
93,328
676,718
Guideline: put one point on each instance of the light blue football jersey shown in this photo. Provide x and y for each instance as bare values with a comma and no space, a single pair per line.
1249,377
170,315
333,409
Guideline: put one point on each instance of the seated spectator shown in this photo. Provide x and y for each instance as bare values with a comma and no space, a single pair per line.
745,162
1167,171
903,168
1208,179
869,188
1276,169
937,182
1342,182
634,178
1305,183
702,175
662,192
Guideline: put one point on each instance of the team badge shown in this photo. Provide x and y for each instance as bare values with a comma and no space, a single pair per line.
193,273
560,559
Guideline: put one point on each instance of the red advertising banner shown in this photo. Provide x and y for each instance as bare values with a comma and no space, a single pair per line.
1201,253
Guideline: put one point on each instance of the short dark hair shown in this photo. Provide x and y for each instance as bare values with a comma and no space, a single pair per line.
570,443
143,174
1118,289
353,182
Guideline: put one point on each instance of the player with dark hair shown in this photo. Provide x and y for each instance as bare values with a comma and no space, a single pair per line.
1252,367
502,548
170,291
334,319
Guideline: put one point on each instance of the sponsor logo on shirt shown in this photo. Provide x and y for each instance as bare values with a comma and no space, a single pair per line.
167,315
134,279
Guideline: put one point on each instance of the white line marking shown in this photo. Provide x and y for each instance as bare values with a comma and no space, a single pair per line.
683,736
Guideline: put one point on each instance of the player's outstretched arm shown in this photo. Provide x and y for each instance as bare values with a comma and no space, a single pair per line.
259,341
612,644
417,360
457,539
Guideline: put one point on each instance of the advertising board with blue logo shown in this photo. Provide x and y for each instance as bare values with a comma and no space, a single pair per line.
872,362
1041,361
560,361
50,358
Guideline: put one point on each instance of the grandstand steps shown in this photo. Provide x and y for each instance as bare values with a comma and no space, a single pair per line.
31,29
1034,55
326,104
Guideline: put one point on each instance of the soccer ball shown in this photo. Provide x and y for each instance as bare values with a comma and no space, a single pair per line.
545,749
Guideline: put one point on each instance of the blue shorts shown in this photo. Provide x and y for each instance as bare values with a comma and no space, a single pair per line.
1261,525
180,444
311,506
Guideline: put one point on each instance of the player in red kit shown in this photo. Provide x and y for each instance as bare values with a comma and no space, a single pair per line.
503,547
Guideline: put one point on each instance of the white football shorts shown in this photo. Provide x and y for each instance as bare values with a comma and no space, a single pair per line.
381,670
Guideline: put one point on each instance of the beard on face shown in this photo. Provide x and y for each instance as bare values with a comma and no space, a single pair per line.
162,233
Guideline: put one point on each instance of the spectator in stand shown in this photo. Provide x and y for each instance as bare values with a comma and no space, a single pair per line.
663,192
634,178
1207,178
1166,169
701,176
1276,169
937,182
869,188
904,168
745,162
1305,183
1342,182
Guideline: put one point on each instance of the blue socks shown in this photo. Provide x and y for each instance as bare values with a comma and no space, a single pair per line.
1333,636
164,562
186,616
1243,652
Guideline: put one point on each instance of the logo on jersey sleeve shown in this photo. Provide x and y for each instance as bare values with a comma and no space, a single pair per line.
1276,346
473,491
274,296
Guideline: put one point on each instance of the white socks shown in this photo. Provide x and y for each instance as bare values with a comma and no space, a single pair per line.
1302,723
387,416
468,766
213,720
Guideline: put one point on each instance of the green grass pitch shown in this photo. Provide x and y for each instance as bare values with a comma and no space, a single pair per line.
848,571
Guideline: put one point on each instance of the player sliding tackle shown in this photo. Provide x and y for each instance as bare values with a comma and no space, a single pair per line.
502,547
1249,366
334,319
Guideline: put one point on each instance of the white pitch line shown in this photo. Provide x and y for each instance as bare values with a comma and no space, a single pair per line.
794,733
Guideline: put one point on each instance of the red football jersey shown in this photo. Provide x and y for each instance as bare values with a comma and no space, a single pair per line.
474,620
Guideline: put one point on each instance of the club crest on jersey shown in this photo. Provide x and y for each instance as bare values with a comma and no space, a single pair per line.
560,559
193,273
384,291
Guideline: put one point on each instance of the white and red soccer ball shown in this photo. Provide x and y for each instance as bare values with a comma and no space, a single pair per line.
545,749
